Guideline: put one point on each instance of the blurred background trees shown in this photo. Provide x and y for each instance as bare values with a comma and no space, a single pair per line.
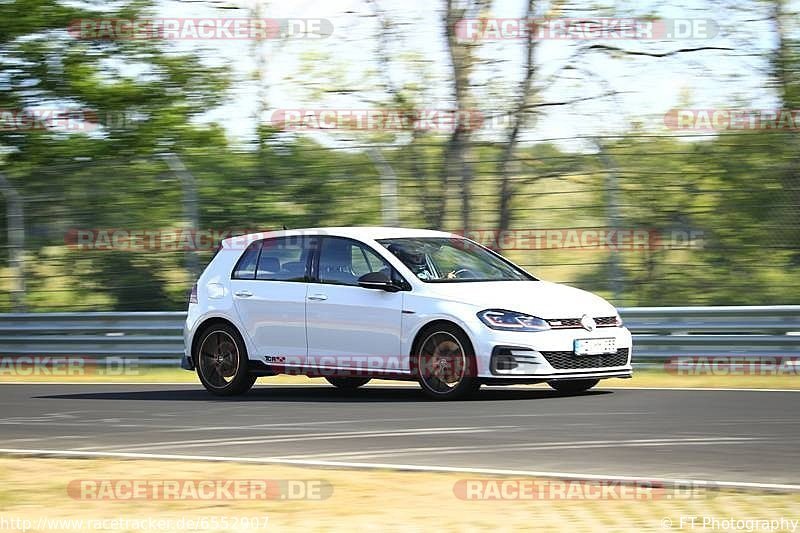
132,102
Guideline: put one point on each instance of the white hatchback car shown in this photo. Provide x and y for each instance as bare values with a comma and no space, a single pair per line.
351,304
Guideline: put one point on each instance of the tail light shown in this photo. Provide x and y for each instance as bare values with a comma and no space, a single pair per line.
193,294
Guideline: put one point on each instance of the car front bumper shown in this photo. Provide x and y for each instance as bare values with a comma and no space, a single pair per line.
549,355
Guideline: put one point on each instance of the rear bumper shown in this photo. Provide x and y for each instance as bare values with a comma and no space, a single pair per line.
186,360
187,363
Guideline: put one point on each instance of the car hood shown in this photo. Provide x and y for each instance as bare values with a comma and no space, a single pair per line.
538,298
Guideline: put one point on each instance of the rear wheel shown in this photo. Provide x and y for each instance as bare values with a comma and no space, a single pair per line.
222,361
573,386
444,363
347,383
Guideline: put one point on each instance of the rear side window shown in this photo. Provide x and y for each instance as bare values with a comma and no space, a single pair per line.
283,259
246,267
280,259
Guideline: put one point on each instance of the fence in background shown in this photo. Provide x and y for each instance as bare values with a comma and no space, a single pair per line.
155,338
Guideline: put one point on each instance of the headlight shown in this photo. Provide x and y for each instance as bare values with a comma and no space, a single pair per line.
619,323
512,321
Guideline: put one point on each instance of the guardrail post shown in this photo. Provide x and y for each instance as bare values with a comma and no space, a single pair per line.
612,210
389,210
190,210
15,215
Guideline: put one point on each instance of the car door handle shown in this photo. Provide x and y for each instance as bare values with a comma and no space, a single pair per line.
243,294
318,297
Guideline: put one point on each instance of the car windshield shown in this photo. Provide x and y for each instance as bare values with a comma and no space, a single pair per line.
442,260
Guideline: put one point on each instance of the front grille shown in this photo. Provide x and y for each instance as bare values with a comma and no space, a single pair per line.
568,360
565,323
575,323
605,321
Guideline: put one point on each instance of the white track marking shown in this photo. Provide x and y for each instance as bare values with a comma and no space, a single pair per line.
522,447
237,440
712,484
406,419
32,439
699,389
205,443
568,445
173,428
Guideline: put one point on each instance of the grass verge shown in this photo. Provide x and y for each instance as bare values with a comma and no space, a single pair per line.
642,378
35,490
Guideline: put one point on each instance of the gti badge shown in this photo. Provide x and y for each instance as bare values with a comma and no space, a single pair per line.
588,323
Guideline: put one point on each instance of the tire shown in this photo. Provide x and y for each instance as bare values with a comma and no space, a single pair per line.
221,361
443,361
347,383
573,386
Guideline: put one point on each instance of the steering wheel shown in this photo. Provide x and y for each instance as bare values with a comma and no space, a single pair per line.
462,273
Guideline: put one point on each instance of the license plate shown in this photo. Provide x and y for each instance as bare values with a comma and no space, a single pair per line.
594,346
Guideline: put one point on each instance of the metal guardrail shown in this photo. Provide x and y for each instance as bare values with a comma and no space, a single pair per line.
664,332
153,338
156,337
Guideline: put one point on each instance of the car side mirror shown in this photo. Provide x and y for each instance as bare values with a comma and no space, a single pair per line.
377,280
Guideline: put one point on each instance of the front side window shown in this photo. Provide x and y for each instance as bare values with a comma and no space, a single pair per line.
441,260
342,262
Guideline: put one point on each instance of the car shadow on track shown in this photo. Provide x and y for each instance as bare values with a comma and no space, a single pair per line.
317,394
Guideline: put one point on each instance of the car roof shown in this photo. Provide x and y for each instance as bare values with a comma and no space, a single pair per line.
354,232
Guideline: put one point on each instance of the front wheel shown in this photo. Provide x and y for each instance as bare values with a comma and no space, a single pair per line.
444,363
347,383
222,361
573,386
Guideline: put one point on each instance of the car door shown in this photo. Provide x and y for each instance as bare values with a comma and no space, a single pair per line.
350,326
269,285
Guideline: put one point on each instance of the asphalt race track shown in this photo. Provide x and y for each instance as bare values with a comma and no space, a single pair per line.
729,436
